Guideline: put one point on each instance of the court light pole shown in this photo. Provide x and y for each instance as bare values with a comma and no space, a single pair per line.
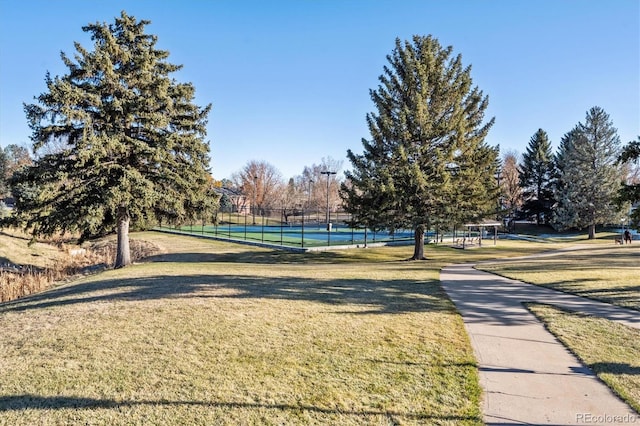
255,190
309,200
328,173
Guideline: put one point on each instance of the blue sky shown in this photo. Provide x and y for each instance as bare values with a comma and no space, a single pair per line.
289,80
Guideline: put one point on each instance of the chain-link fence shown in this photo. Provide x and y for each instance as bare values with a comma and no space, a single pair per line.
290,228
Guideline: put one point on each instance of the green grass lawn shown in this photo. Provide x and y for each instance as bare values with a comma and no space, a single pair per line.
208,332
600,270
216,333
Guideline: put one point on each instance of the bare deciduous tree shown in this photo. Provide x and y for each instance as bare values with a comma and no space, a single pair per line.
510,188
261,183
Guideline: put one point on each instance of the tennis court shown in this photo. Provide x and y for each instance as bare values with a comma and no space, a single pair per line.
294,235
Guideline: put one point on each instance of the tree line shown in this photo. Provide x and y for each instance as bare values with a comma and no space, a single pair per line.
119,143
591,179
264,188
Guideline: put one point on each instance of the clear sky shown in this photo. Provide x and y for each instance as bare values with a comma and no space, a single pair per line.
289,80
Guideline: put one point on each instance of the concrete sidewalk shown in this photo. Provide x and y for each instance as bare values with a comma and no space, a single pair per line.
528,377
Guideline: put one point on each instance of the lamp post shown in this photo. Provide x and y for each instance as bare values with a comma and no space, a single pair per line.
328,173
309,200
255,190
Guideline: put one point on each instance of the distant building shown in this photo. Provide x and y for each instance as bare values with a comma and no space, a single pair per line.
240,203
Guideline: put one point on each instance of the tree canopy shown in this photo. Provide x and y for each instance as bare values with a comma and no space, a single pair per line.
536,178
426,163
12,158
511,191
589,177
262,183
117,141
630,190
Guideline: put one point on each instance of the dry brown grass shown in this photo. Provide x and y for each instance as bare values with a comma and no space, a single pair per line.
601,271
27,267
216,333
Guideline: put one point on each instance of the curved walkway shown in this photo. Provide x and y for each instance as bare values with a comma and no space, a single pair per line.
528,377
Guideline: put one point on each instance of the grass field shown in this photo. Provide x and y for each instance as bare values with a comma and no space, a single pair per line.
209,332
15,249
215,333
599,271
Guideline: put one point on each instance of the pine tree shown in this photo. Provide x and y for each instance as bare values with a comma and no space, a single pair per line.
630,191
119,142
563,212
427,162
536,178
589,177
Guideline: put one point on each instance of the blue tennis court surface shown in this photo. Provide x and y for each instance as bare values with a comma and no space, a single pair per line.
295,235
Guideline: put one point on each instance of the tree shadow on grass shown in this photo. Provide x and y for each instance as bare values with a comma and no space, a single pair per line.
35,402
270,257
373,296
615,368
249,256
623,296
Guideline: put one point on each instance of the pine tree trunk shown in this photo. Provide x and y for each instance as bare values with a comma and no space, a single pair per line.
592,232
418,249
123,254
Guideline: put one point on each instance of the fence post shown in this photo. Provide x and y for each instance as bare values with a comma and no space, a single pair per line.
302,233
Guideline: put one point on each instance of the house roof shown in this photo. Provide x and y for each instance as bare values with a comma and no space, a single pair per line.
229,192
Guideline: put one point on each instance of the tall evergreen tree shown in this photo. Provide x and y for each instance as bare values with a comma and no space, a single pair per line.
119,142
562,210
427,161
536,172
589,177
630,191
